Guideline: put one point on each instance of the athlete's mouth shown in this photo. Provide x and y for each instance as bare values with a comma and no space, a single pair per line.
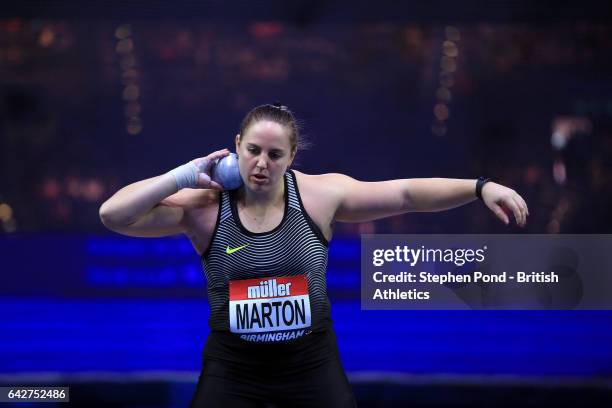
259,176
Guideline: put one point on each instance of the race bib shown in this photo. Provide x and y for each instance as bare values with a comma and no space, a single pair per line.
269,309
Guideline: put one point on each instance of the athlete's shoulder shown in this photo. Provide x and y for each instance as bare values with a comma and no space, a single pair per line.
333,178
325,182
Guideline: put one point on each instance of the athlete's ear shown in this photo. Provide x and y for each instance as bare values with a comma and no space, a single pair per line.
293,153
237,141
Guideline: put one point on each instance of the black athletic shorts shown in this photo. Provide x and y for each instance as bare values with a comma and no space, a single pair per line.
317,383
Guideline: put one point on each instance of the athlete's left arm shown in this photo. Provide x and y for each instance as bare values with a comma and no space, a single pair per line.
360,201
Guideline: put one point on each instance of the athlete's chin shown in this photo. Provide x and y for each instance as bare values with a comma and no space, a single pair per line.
259,183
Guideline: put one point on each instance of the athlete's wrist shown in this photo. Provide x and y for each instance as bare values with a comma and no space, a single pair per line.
185,176
480,182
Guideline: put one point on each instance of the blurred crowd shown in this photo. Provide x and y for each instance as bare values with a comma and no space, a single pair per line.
86,108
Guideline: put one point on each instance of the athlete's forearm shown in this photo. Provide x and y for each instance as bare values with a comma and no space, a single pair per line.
130,203
438,194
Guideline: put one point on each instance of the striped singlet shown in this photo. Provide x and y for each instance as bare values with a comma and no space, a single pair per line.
267,287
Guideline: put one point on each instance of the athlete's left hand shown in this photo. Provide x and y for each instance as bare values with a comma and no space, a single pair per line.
502,200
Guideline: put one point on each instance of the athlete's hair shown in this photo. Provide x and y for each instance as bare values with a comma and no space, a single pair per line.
276,113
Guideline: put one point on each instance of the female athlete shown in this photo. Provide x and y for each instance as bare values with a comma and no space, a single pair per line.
264,250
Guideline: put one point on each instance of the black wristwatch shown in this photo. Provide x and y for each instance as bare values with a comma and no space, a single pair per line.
479,183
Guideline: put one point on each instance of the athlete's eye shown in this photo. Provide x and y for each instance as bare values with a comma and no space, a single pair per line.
253,150
275,155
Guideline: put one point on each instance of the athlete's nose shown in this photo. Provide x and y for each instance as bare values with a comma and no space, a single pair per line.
261,162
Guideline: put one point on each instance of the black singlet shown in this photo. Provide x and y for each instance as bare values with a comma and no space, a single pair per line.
267,291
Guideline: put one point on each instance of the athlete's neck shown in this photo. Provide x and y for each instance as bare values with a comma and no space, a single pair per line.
262,200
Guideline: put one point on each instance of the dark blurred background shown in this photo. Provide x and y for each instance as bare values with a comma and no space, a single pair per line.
94,96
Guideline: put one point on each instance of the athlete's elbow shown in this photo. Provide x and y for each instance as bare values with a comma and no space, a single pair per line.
407,202
111,218
418,201
106,217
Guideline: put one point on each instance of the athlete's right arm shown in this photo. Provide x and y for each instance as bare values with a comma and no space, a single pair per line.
144,208
136,210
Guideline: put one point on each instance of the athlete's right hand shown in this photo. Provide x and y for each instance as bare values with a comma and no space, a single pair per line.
204,165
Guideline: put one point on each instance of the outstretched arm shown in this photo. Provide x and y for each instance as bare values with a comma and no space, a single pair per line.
360,201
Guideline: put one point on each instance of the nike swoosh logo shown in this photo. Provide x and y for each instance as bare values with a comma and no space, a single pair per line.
230,251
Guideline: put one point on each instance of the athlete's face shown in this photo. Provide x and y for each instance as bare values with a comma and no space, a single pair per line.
264,153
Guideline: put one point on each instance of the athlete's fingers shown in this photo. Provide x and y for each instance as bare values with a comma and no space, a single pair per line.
215,186
525,205
512,206
204,180
523,215
218,154
204,164
500,213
